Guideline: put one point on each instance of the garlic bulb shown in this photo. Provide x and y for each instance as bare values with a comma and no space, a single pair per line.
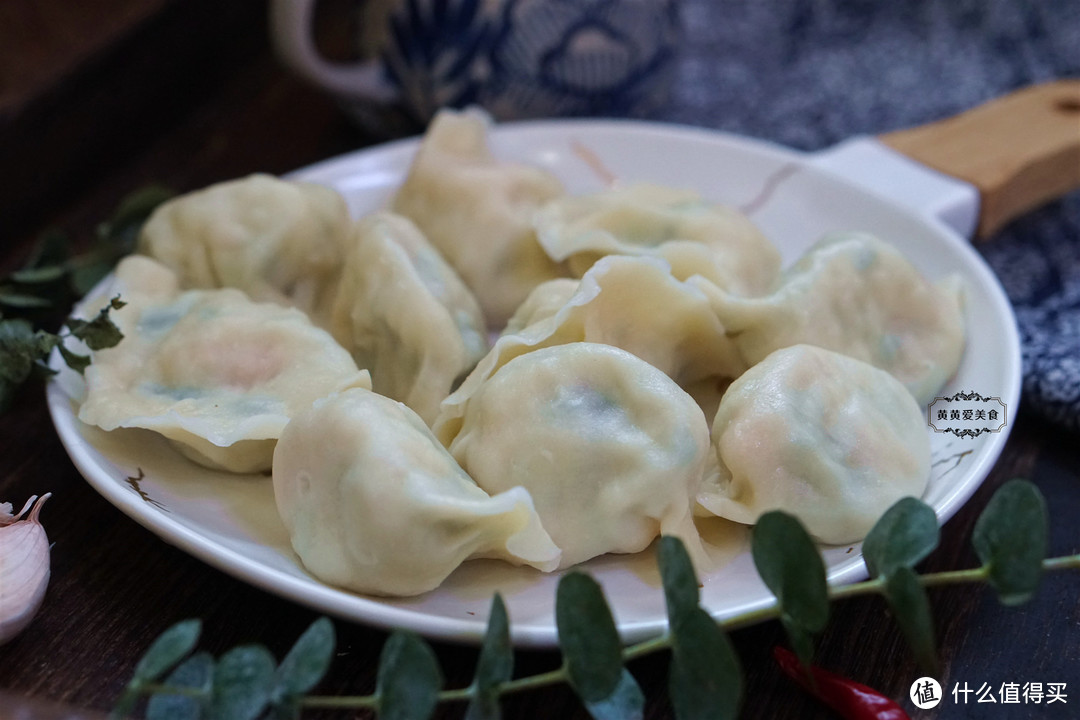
24,566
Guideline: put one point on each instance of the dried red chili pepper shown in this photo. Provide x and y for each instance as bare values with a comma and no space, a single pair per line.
854,701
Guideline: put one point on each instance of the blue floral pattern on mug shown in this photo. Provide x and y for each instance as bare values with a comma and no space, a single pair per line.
531,58
436,53
582,57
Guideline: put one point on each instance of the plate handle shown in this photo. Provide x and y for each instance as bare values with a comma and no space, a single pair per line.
1020,150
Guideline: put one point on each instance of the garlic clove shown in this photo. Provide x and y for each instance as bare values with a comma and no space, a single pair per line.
24,566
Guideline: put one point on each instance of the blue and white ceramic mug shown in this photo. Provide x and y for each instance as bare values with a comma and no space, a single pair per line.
516,58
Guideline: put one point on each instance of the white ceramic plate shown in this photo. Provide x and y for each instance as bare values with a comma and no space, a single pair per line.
231,521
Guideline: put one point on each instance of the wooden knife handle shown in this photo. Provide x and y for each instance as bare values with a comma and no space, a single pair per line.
1020,150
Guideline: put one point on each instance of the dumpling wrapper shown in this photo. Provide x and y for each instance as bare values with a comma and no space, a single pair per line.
610,448
211,370
405,314
477,211
857,295
695,237
373,503
822,436
632,303
545,300
277,240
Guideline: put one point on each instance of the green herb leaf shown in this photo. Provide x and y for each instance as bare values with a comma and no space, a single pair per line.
132,211
495,665
88,272
73,360
242,683
1010,537
37,275
408,681
592,652
789,563
626,702
99,332
306,663
902,537
21,301
51,249
680,582
705,681
197,674
910,606
21,348
170,648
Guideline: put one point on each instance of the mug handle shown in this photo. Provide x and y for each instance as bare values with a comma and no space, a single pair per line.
290,29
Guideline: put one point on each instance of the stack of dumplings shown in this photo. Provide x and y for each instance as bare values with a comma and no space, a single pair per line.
489,368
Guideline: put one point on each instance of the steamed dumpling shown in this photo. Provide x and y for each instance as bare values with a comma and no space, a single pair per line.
632,303
695,237
478,211
211,370
856,295
405,314
825,437
375,504
611,450
277,240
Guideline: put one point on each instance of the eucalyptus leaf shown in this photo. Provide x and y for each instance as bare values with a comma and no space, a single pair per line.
125,705
1010,537
592,651
306,663
495,665
705,681
242,683
680,581
408,680
802,640
910,606
626,702
789,563
902,537
197,675
167,650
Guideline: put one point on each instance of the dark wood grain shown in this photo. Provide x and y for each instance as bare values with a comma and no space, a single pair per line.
115,586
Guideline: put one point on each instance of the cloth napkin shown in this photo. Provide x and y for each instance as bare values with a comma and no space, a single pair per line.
809,73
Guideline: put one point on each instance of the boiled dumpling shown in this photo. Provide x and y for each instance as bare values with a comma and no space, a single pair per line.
375,504
857,295
277,240
695,237
405,314
611,450
478,211
825,437
213,371
545,300
631,303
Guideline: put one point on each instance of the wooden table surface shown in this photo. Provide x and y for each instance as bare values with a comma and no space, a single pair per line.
115,586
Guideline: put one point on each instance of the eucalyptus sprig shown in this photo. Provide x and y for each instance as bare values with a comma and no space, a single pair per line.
705,678
35,297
